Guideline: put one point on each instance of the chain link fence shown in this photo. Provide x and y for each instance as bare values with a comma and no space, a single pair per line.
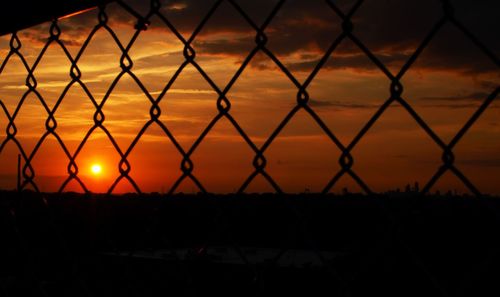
266,245
223,102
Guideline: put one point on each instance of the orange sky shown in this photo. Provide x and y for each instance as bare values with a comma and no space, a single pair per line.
445,89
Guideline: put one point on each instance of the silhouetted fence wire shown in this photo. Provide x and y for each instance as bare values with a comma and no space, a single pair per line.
304,218
223,103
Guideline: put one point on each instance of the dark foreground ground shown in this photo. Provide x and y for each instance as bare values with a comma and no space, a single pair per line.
252,245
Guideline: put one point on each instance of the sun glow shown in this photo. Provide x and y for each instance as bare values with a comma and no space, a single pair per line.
96,169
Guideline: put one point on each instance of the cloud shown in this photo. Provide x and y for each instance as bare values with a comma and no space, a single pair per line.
458,106
303,30
234,47
449,102
392,31
483,163
341,105
464,100
474,96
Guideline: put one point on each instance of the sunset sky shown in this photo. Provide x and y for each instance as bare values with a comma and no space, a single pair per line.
445,86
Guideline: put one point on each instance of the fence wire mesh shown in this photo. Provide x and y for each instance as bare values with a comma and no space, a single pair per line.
223,102
297,217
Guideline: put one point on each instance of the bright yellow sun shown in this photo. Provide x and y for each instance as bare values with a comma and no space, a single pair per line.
96,169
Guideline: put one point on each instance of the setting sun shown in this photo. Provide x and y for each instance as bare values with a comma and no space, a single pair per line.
96,169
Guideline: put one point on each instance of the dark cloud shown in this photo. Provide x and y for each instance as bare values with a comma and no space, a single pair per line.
493,162
343,61
230,47
458,106
396,27
152,61
459,101
392,29
340,105
488,85
475,96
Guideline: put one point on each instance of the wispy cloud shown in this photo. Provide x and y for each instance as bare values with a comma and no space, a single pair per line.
341,105
474,96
